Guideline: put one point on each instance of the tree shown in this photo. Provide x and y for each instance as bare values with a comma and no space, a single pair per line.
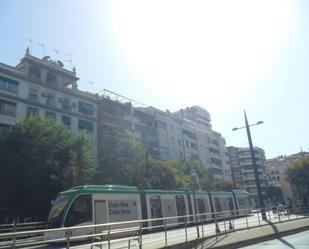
163,175
121,161
189,166
125,161
298,174
223,185
40,158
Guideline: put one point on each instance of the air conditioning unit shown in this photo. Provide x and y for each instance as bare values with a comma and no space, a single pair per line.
43,94
74,104
61,99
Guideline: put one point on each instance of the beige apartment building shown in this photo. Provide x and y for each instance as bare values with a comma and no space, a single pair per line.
166,135
276,172
242,170
43,87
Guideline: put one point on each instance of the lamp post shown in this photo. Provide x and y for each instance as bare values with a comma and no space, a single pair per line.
256,174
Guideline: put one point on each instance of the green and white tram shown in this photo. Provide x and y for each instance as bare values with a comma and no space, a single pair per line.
100,204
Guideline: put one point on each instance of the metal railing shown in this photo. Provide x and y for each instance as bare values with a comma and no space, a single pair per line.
143,233
26,226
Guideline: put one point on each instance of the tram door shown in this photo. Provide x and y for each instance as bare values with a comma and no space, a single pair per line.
156,210
181,207
100,212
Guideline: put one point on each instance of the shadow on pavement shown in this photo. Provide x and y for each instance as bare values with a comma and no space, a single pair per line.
280,239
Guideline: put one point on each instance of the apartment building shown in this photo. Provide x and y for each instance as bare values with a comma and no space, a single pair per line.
242,170
166,135
275,170
179,138
43,87
119,116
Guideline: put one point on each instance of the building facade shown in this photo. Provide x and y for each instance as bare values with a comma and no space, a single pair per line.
43,87
276,173
166,135
242,170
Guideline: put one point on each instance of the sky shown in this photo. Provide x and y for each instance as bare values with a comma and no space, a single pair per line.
225,56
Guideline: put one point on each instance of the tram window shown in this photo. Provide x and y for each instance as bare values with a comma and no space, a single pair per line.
80,211
231,203
156,207
181,205
200,206
156,210
217,205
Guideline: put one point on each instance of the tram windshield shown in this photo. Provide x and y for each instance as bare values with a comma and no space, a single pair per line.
58,207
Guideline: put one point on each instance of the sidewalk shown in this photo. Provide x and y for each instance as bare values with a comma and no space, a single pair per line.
254,235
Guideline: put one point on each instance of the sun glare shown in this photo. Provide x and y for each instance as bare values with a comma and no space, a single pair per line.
206,45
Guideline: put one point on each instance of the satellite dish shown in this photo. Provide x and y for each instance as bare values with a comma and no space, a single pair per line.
46,58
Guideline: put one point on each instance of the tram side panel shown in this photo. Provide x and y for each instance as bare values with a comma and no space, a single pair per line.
117,207
202,206
243,202
164,204
223,204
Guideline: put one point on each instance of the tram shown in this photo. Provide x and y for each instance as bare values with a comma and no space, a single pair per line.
100,204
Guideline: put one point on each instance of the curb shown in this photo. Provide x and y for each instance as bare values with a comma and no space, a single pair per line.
214,243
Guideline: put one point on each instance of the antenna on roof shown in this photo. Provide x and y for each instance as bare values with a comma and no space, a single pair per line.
57,52
30,41
91,83
69,59
43,48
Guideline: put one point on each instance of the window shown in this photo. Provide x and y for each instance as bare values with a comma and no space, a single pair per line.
215,142
31,111
217,205
189,134
179,143
34,73
66,120
215,151
7,108
50,100
156,211
51,79
80,211
33,95
86,108
66,104
8,85
217,161
181,207
85,125
50,115
160,124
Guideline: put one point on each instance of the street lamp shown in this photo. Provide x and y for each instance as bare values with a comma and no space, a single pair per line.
256,174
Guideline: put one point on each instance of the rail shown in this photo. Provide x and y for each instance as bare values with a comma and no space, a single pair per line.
26,226
163,231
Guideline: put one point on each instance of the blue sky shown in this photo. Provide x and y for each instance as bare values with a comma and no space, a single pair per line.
225,56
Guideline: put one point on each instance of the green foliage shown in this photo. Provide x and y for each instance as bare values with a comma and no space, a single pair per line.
40,158
223,185
298,174
121,162
163,175
186,167
125,161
